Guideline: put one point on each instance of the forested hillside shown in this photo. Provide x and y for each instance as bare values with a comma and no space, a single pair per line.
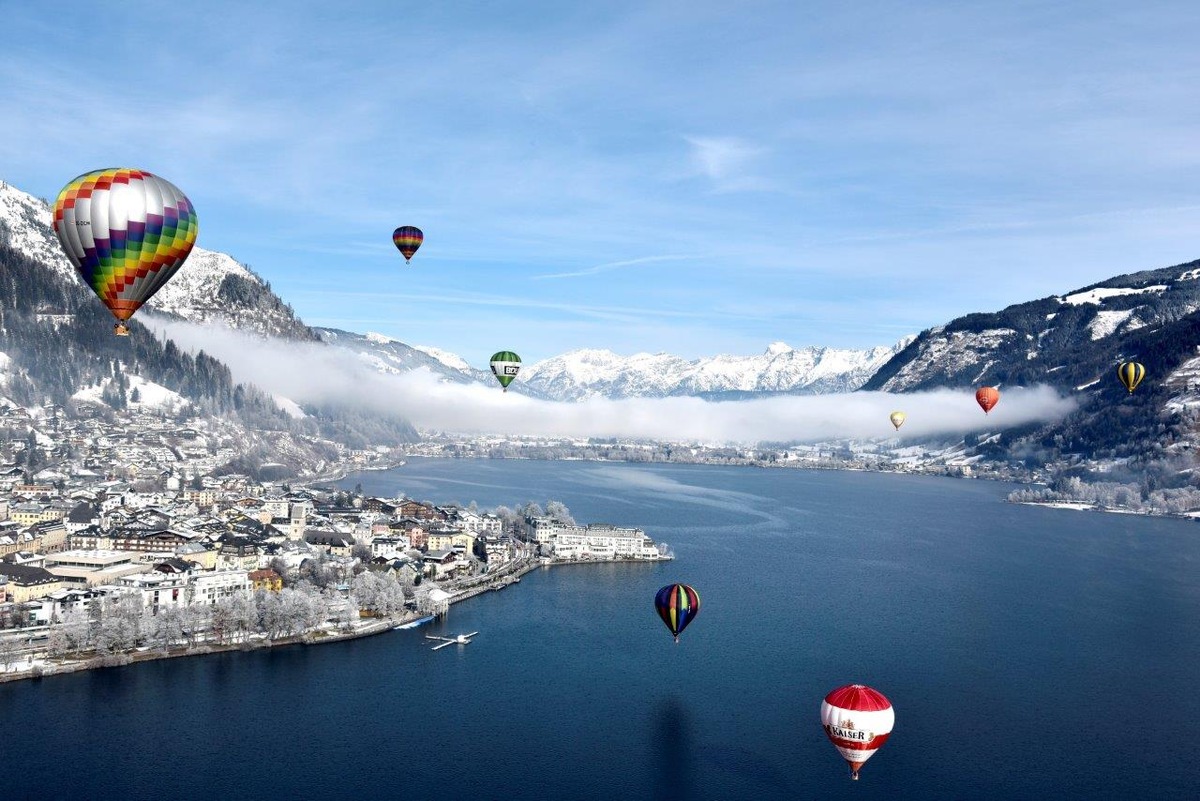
1074,343
59,341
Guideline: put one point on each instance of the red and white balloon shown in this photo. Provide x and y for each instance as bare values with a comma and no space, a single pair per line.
857,720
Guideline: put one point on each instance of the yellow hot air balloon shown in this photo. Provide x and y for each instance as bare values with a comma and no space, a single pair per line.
897,419
1131,374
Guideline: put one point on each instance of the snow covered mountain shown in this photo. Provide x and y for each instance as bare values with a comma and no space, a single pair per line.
781,368
384,354
582,374
213,286
209,285
1069,341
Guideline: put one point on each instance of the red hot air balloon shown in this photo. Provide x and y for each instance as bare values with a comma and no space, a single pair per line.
987,398
857,720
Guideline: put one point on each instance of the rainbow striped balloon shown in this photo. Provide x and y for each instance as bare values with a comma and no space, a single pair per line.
677,605
408,238
126,231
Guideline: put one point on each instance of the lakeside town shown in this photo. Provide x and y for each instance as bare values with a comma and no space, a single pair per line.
121,540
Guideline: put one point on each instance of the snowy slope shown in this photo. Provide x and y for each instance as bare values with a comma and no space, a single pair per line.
1030,342
150,395
209,285
386,355
26,225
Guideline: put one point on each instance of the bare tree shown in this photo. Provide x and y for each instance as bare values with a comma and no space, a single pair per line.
10,647
559,510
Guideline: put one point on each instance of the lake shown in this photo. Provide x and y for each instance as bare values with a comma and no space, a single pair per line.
1028,652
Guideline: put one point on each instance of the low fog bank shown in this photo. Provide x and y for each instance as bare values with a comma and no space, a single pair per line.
310,373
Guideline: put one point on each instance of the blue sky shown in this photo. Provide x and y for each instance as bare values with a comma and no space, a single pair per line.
673,176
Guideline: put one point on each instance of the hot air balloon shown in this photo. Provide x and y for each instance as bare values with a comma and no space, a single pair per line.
408,238
857,720
677,605
1131,374
505,366
127,232
897,419
987,398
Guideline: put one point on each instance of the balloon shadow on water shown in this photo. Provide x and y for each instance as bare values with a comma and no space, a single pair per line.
673,744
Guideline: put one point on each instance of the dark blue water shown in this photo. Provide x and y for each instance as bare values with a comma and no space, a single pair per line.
1029,653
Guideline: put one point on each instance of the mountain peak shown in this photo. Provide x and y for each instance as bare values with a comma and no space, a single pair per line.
776,348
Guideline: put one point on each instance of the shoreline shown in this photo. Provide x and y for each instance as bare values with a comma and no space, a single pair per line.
45,668
1087,506
1025,481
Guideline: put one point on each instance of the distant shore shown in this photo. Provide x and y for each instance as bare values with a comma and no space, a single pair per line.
1024,479
1083,506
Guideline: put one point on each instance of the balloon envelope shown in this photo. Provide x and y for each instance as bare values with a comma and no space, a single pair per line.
1131,374
505,366
677,605
897,419
857,720
126,231
408,238
987,398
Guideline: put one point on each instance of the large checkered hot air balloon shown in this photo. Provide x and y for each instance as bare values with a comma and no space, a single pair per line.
127,232
857,720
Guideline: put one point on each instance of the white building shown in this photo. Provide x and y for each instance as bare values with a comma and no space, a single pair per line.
602,541
546,529
390,547
56,606
157,590
209,587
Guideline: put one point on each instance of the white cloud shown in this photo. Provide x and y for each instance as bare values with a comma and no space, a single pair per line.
727,161
311,373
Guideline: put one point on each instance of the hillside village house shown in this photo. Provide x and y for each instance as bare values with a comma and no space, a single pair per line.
265,579
442,563
26,514
58,606
421,511
162,541
449,539
329,541
389,547
25,583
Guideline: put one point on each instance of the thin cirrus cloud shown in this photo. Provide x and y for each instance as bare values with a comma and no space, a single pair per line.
727,162
613,265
